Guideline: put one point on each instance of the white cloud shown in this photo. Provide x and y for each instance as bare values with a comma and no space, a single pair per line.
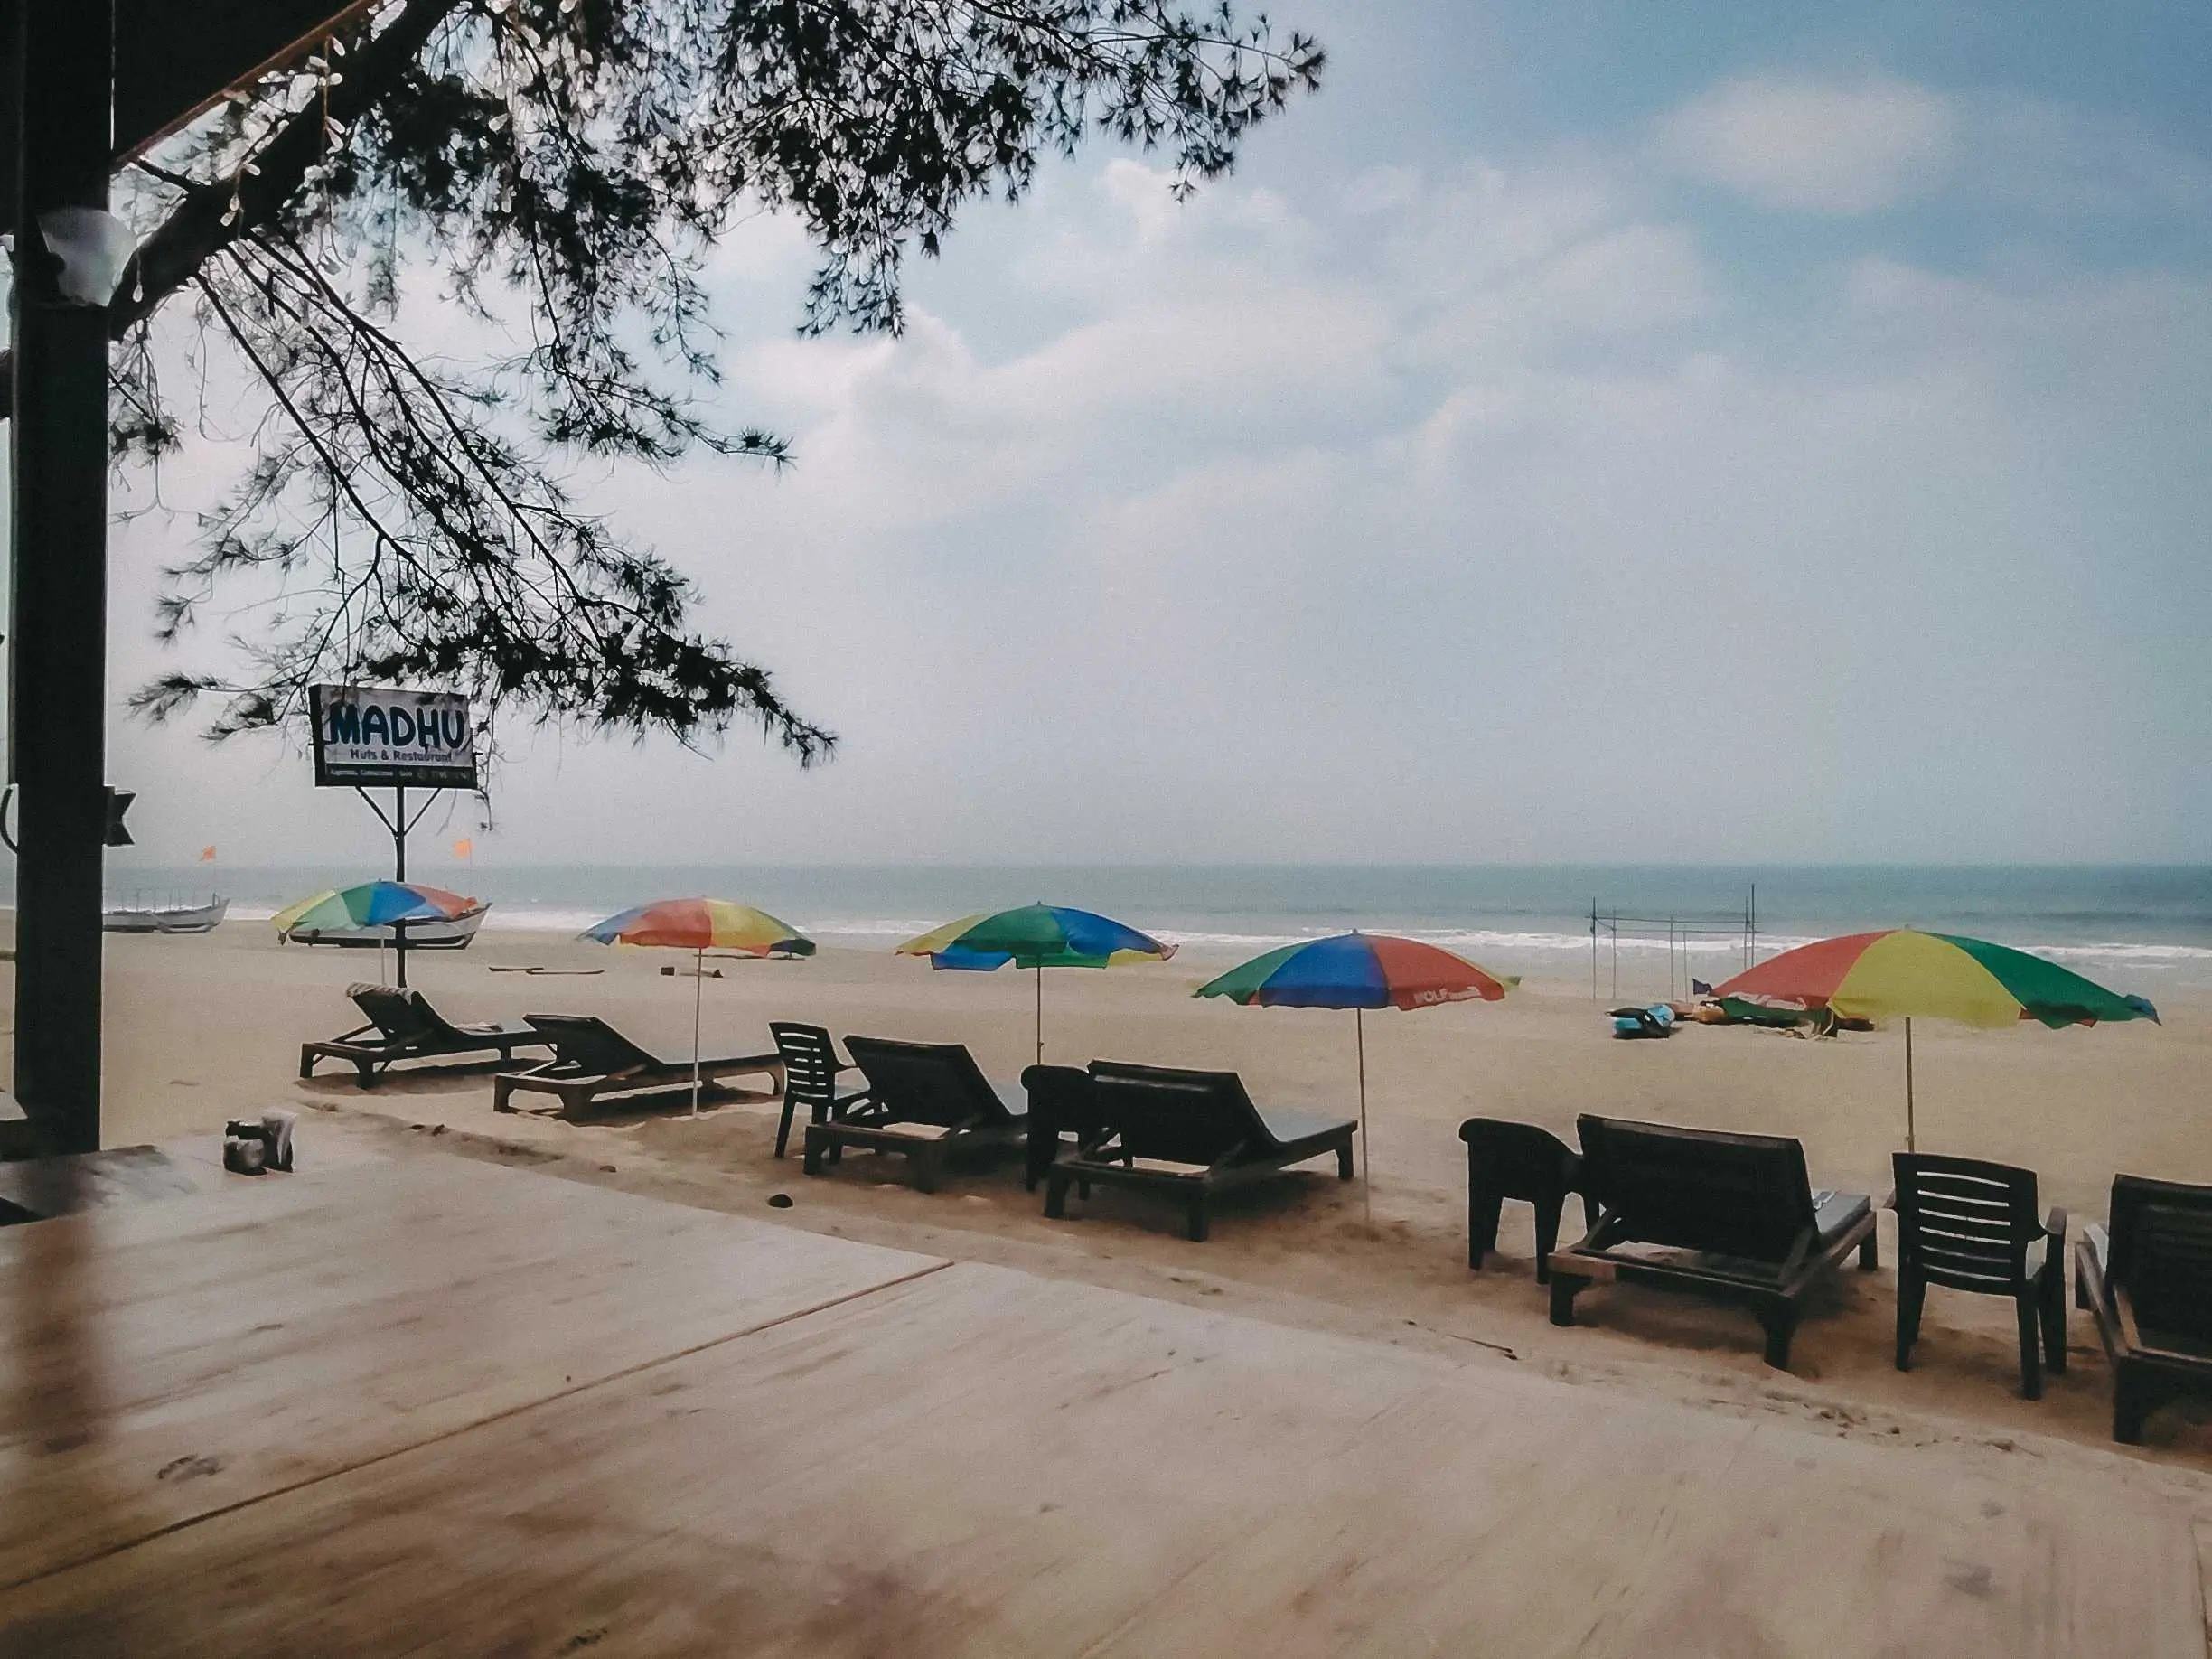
1815,146
1472,510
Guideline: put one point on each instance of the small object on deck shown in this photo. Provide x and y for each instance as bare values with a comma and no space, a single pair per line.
1187,1135
403,1025
256,1147
1517,1160
2149,1282
1970,1225
1729,1217
928,1100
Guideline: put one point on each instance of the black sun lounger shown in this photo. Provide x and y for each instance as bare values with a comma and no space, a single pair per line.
593,1061
403,1025
928,1100
2148,1278
1186,1135
1729,1217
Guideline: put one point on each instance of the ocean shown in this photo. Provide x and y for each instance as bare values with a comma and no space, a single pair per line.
2134,927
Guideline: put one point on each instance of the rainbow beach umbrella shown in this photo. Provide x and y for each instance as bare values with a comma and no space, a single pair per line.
702,924
373,903
699,926
391,905
1358,972
1038,936
1903,972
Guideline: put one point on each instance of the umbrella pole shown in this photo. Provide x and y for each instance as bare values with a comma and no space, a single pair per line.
1040,1013
1359,1038
1911,1143
698,992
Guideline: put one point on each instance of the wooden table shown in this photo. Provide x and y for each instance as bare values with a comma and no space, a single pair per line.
439,1406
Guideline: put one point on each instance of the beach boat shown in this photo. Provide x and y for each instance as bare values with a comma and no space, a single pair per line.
137,918
436,933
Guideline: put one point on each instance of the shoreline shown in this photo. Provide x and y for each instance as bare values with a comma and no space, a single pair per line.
2157,968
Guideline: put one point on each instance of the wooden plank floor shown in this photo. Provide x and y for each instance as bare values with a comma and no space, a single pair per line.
953,1460
164,1361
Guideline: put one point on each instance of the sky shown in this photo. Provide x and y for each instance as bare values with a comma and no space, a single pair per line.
1710,432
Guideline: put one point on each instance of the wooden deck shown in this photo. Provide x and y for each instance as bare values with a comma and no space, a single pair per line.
436,1406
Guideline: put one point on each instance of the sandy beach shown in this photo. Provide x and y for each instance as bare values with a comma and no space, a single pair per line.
203,1029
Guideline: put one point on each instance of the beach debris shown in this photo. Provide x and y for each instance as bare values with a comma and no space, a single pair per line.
779,1201
1655,1021
1438,1330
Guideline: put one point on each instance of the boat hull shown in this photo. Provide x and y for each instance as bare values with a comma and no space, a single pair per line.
176,919
446,934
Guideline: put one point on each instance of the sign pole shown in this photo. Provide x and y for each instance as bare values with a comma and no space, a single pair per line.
371,736
399,874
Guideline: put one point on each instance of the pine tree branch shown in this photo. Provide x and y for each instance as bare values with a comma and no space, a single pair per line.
201,224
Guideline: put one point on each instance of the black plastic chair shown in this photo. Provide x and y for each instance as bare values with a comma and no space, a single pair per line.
810,1071
1969,1225
1059,1104
1517,1160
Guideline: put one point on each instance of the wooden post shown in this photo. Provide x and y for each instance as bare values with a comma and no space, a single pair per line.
62,63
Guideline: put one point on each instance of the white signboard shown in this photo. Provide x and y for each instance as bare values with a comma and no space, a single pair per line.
370,735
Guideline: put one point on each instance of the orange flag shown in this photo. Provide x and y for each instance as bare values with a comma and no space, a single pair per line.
207,854
465,849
